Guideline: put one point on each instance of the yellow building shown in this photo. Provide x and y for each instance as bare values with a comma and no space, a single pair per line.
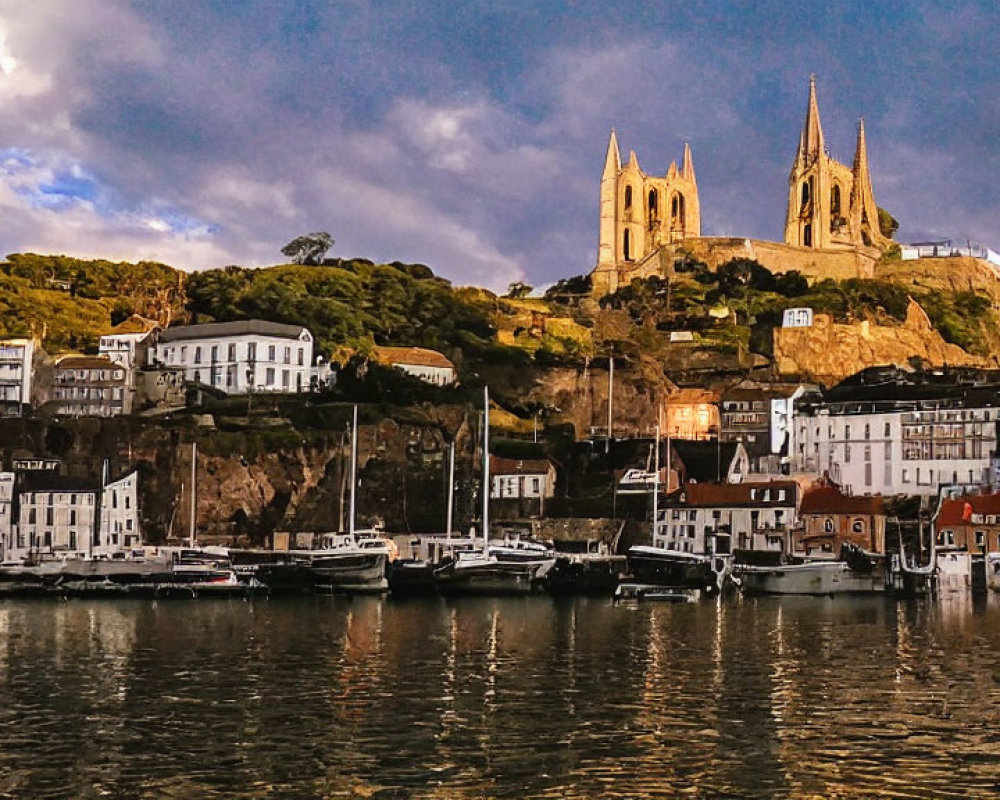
691,414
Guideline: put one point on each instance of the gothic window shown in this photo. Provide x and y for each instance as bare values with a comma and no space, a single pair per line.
627,245
677,211
835,201
858,526
628,198
805,195
654,211
828,525
807,236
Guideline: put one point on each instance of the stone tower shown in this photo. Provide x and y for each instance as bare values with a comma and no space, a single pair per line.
830,206
639,213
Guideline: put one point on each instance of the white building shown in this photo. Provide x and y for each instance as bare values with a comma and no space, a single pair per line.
240,357
6,510
16,360
428,365
90,386
899,438
119,517
57,516
517,479
721,517
797,318
125,343
54,515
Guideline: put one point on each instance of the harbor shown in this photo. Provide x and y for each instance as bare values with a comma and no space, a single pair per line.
498,697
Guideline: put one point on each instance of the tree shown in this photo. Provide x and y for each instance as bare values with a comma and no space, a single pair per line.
308,249
519,289
887,223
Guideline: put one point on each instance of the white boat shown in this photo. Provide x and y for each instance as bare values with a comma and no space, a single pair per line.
509,567
812,577
351,561
657,565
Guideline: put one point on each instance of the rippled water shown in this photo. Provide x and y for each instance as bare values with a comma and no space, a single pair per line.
522,697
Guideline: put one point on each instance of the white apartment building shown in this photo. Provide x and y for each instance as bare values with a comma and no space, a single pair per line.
240,357
124,344
512,478
119,527
913,440
16,360
6,510
90,386
54,515
720,517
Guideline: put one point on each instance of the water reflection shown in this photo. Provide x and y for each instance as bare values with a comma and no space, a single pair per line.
519,697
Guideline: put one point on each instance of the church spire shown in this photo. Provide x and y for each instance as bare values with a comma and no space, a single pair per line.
811,143
613,159
862,177
688,172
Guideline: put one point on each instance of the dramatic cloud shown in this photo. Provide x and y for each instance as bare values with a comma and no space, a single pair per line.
468,139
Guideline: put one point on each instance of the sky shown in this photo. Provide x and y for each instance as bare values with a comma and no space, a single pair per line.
470,136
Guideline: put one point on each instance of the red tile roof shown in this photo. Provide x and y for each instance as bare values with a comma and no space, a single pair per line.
954,512
516,466
416,356
709,495
830,500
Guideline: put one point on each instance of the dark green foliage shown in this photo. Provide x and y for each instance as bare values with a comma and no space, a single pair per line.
516,448
959,319
887,224
577,285
791,284
353,305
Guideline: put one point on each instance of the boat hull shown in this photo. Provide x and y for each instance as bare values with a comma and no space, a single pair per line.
350,572
824,578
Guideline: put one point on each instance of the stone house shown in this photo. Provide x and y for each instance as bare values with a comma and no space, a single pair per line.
427,365
828,518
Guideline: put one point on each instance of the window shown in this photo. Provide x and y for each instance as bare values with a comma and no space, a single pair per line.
271,350
828,525
627,245
302,356
215,352
888,451
858,526
628,198
847,431
980,538
888,429
288,355
197,355
184,353
269,377
286,379
847,454
252,351
868,431
232,352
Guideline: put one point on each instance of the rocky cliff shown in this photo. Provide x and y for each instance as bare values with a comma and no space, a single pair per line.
828,352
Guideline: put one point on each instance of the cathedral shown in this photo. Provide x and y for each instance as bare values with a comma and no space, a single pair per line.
831,225
830,205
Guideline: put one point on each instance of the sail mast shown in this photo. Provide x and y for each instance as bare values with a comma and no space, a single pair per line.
194,494
486,469
354,470
451,487
656,483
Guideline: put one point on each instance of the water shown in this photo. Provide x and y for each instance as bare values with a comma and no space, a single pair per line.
508,698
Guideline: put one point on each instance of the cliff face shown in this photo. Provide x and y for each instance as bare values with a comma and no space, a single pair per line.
828,352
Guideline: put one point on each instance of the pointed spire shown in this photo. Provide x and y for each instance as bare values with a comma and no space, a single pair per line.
672,171
613,160
632,160
811,143
688,163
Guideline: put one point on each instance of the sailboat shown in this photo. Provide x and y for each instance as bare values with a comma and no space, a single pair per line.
658,572
506,568
414,575
351,561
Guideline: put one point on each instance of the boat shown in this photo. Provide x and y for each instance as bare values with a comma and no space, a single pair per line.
352,561
507,567
854,572
659,567
586,568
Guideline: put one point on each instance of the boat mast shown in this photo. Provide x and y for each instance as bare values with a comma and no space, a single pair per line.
354,470
611,391
656,483
194,494
486,469
451,487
